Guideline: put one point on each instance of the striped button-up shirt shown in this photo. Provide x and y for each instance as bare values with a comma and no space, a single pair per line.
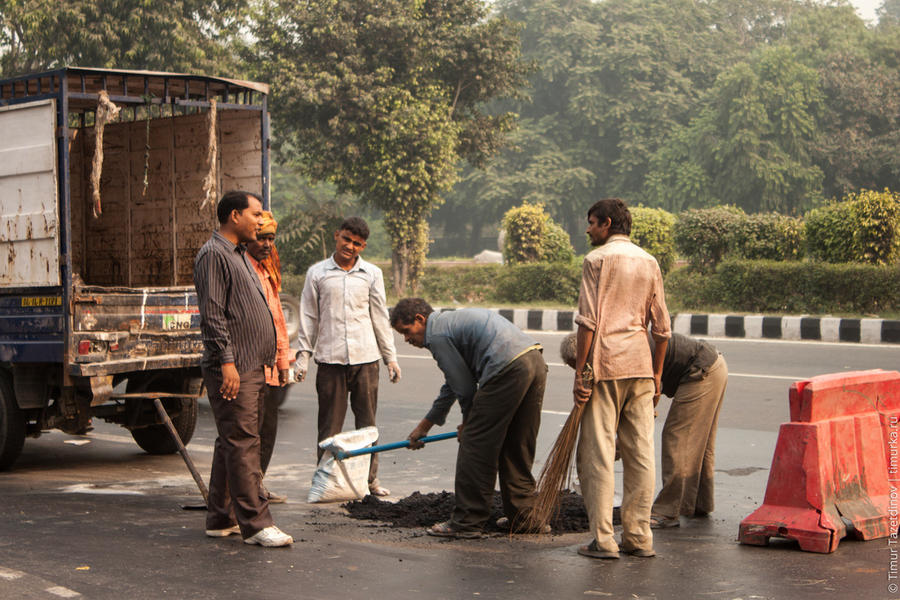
235,320
344,316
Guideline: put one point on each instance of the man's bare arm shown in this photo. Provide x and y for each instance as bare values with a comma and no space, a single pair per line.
584,339
659,354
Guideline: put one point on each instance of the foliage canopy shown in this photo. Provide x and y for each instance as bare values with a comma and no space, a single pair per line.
384,97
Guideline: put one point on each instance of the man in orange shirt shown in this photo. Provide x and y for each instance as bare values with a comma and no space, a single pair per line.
264,258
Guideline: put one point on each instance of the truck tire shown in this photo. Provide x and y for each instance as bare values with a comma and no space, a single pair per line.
290,306
12,425
156,439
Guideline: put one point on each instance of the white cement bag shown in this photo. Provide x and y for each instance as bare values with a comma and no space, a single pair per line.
348,479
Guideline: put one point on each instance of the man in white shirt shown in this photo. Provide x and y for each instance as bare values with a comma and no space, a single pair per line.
344,325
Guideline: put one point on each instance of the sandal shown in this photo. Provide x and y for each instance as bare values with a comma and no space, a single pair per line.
447,530
379,491
658,522
592,550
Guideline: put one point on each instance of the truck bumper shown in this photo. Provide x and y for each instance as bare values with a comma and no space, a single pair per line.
112,367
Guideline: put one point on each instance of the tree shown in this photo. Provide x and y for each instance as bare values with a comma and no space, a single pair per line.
889,13
860,129
616,79
187,35
537,167
383,98
308,215
751,143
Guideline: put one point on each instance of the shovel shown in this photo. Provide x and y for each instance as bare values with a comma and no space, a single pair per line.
326,487
344,454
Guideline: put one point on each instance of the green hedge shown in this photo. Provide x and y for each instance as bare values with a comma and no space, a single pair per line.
539,282
480,284
864,228
531,236
795,287
653,229
768,236
556,246
829,233
463,284
707,236
689,290
786,287
704,236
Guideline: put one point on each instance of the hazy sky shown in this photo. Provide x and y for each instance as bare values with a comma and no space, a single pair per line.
866,8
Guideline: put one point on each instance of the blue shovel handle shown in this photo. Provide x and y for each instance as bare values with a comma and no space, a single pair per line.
341,454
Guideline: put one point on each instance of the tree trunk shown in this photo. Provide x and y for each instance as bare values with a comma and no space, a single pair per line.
418,250
400,271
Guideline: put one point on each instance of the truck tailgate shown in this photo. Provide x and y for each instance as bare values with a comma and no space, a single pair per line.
115,330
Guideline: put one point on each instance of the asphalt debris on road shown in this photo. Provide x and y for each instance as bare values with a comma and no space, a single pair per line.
424,510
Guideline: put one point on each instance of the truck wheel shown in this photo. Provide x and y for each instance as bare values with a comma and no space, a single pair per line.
290,306
156,439
12,425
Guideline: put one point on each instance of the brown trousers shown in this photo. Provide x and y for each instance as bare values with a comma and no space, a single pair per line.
499,434
333,384
235,492
268,427
689,445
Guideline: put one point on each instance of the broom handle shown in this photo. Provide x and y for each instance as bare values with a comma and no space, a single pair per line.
341,454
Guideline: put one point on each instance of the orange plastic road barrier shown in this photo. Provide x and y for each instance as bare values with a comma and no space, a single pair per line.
836,469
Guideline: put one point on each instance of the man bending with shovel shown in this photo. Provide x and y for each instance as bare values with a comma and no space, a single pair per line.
498,374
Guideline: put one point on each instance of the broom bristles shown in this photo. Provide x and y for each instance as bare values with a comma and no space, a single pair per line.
555,472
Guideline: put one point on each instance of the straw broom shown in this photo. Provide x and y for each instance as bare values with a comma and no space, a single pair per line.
554,475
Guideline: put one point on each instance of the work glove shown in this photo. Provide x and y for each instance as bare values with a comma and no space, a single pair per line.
301,366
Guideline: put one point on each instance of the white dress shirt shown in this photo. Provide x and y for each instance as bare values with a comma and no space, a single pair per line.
344,316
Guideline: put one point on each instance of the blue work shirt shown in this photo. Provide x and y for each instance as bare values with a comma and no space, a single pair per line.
471,346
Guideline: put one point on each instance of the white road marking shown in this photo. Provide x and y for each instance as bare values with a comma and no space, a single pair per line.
89,488
787,377
555,364
121,439
62,592
9,574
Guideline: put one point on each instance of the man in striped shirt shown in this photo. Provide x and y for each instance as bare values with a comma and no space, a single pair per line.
239,342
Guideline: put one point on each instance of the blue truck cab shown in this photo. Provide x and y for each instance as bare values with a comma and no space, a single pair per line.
101,219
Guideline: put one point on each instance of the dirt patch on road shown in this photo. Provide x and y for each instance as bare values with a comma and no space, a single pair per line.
423,510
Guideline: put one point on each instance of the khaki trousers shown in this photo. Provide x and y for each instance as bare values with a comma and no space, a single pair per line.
689,445
622,407
235,491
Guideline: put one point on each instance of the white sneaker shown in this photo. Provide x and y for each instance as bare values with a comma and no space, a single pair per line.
223,532
270,537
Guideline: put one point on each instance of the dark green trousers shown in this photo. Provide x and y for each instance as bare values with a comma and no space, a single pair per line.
499,436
